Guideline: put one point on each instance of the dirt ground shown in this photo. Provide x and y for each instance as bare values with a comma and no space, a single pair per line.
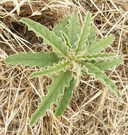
93,109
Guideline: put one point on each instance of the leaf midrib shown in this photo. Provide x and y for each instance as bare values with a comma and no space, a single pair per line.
46,38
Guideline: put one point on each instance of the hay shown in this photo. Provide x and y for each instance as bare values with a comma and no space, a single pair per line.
93,109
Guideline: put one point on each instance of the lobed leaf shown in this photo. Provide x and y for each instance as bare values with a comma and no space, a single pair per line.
64,99
83,36
109,64
61,27
41,59
56,68
48,36
99,75
72,30
99,45
100,56
55,90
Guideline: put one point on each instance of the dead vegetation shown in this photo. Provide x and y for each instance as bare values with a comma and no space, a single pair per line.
93,109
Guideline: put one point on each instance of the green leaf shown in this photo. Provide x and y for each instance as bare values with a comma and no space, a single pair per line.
77,68
100,56
65,39
48,36
56,68
99,45
61,27
109,64
64,99
92,34
99,75
41,59
83,36
55,90
73,30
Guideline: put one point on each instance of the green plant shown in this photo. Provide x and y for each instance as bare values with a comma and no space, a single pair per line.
75,51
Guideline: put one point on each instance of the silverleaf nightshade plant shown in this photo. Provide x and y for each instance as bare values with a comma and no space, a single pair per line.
76,51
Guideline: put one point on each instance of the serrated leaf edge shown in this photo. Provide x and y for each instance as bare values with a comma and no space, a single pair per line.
51,103
58,101
79,35
100,58
55,49
104,47
101,80
52,67
114,66
30,52
75,45
63,21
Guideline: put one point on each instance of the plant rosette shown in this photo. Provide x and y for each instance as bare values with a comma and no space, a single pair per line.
76,51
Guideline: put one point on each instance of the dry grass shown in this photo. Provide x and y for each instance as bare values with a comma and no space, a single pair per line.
93,109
